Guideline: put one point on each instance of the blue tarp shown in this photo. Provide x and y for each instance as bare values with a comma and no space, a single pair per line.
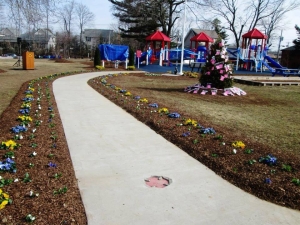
113,52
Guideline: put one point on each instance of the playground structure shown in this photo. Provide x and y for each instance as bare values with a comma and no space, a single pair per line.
254,55
158,45
200,49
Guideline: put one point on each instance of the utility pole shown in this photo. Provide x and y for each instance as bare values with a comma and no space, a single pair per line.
280,40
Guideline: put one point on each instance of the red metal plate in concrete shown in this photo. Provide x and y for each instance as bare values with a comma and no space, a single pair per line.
157,181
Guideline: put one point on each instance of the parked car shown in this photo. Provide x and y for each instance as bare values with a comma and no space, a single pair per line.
49,56
13,55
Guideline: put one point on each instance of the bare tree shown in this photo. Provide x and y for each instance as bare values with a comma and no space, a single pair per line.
85,16
274,21
67,16
240,16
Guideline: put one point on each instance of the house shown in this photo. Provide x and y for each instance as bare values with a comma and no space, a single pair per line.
193,31
43,37
290,58
93,37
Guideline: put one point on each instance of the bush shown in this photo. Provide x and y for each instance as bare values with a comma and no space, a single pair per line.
130,67
97,57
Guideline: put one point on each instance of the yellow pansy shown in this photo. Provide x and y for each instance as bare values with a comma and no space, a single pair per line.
6,196
144,100
190,122
238,144
163,110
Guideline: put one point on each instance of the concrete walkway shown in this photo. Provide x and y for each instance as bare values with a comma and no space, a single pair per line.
113,153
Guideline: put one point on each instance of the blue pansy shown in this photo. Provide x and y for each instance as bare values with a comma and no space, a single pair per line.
207,130
154,105
24,111
174,115
28,99
17,129
269,160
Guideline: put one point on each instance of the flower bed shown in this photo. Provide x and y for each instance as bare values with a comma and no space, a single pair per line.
37,180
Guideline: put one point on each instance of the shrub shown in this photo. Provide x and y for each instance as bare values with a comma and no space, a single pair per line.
97,57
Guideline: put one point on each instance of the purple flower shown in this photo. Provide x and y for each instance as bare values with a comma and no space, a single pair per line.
186,134
53,165
137,97
268,181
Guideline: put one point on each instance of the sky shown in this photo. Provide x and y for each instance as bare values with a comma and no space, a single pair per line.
104,19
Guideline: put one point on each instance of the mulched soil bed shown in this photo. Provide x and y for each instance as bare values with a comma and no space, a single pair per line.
49,207
252,177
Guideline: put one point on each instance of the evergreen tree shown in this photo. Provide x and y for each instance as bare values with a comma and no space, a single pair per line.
131,57
217,71
219,30
140,18
297,41
97,57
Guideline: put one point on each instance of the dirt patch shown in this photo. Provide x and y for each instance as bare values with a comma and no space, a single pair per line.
63,61
2,71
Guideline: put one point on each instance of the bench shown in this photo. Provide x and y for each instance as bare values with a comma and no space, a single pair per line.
197,65
286,72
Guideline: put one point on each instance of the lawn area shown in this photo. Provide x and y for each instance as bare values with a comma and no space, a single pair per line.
11,78
267,114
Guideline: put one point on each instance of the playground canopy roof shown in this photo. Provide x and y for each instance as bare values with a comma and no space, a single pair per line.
255,34
158,36
202,37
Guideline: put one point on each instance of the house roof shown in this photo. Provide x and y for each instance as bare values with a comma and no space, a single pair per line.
292,48
202,37
158,36
255,34
97,33
211,33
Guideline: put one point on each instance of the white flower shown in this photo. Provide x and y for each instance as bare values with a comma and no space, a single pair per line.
39,107
34,153
33,130
223,143
16,180
234,151
30,193
0,177
21,137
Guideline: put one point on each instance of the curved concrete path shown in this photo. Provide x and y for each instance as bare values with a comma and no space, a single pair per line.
113,153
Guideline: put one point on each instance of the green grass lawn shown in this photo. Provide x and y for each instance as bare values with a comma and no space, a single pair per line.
270,115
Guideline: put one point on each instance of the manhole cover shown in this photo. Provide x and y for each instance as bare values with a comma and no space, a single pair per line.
158,181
